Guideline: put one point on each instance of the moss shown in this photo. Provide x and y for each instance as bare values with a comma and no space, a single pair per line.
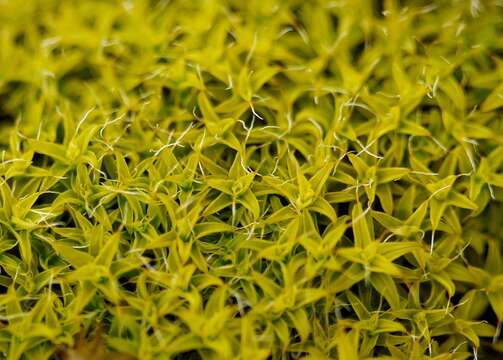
251,179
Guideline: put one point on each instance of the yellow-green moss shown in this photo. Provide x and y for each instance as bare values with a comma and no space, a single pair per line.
251,179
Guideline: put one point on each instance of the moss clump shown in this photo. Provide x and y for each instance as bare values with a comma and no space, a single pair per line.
251,179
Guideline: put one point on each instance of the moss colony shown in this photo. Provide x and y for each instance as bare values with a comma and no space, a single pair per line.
251,179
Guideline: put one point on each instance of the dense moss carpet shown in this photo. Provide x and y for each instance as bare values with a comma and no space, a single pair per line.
280,179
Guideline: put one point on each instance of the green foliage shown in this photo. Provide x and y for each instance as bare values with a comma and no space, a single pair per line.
227,179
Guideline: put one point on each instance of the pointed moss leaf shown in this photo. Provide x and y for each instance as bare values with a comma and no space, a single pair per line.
385,175
250,202
360,225
385,286
494,100
55,151
357,305
444,279
495,295
108,252
348,278
346,345
73,256
321,206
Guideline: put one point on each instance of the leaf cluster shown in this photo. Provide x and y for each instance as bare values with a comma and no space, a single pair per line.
253,179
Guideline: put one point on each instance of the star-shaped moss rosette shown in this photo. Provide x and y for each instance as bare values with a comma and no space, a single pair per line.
227,179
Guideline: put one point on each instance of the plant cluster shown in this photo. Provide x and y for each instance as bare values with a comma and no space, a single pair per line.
228,179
